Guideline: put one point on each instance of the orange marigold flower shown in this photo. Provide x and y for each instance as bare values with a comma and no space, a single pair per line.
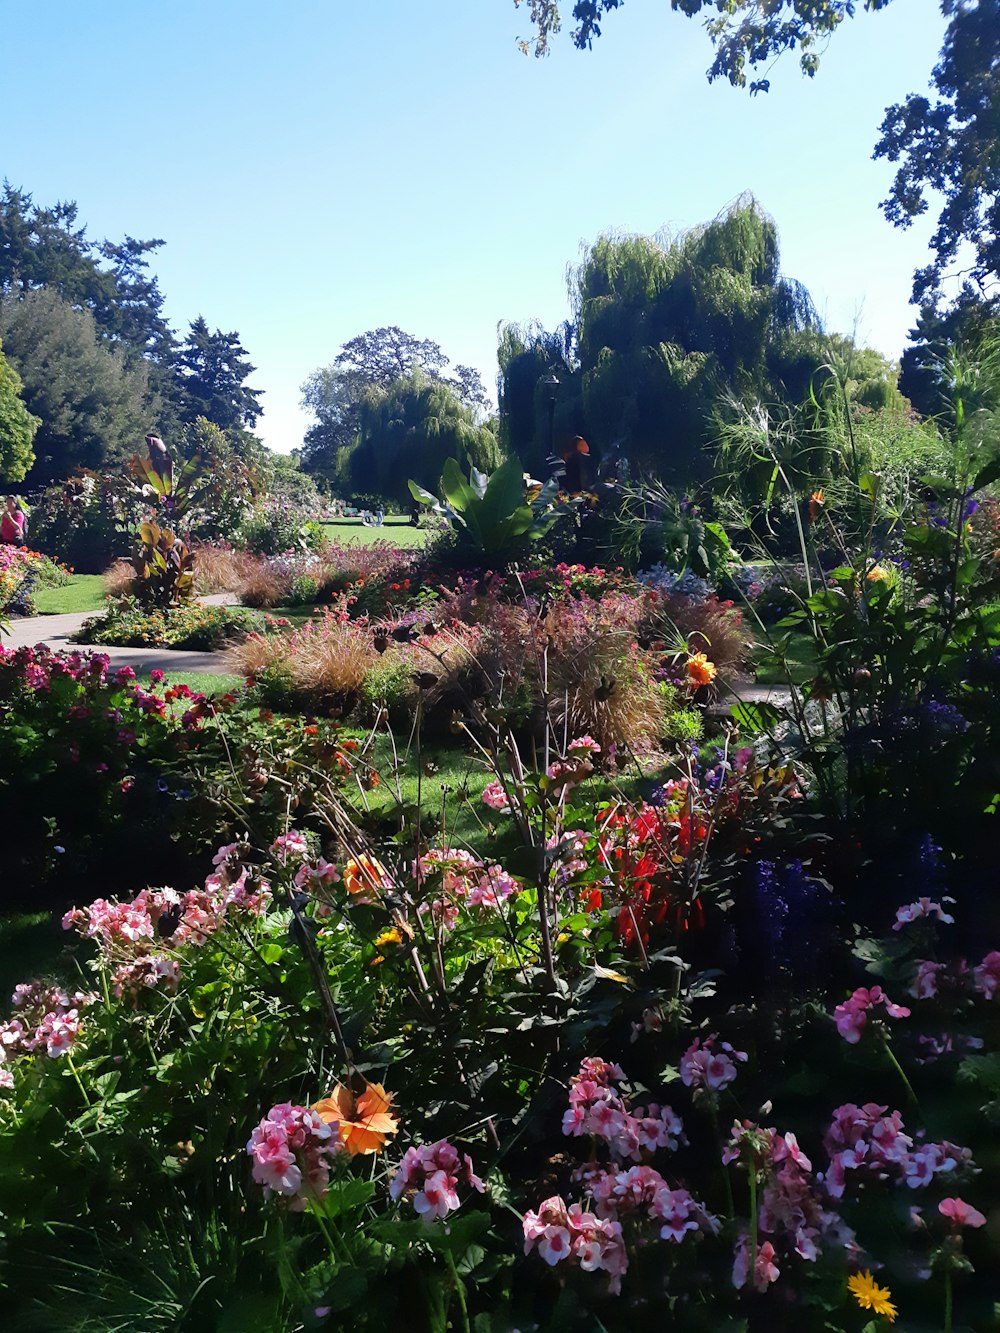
364,1122
700,671
363,874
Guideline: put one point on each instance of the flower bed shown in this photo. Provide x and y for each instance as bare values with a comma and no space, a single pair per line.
195,626
22,573
643,1133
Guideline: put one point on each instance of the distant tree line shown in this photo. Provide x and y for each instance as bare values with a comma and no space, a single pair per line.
98,365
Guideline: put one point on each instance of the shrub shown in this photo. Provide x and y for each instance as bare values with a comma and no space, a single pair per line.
22,573
277,526
324,662
195,627
119,579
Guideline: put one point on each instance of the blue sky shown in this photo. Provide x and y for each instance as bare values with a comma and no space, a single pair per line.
318,169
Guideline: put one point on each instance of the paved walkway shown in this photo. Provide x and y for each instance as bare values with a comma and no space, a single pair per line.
57,632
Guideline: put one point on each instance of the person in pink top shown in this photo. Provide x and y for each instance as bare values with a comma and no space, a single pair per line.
12,523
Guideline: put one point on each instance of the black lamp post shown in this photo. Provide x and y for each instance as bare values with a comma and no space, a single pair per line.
551,383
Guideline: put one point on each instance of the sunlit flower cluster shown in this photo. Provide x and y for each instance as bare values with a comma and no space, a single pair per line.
46,1018
291,1150
597,1109
560,1232
430,1175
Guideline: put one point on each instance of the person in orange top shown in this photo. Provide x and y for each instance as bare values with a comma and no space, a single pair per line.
12,523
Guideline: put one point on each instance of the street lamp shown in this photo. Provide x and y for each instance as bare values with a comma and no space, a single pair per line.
551,385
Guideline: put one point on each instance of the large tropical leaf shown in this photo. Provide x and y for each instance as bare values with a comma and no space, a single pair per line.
455,489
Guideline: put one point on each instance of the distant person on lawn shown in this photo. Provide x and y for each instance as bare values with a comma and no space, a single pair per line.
13,523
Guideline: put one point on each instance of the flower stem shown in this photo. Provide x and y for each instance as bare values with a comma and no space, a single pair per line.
459,1291
902,1074
947,1301
753,1221
79,1083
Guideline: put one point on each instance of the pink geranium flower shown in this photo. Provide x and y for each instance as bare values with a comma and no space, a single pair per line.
960,1213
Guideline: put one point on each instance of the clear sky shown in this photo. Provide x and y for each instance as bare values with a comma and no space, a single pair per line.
322,167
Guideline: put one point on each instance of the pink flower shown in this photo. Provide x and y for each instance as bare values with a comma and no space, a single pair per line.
438,1196
291,1150
960,1213
924,984
986,977
704,1067
766,1270
851,1017
430,1175
495,797
290,846
923,907
554,1244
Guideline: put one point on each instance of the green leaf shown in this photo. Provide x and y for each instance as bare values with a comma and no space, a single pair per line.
455,489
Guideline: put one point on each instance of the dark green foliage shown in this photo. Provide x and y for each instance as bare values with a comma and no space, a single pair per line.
365,366
493,517
527,354
93,406
664,327
213,370
408,431
17,425
190,626
972,322
950,144
744,34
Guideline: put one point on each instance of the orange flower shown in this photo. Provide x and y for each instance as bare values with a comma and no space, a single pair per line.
816,503
364,874
700,671
363,1122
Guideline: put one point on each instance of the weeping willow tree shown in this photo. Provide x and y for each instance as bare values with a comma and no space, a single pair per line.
665,326
407,430
527,355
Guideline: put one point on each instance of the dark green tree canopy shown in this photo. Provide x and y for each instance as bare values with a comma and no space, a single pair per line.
374,361
745,34
947,143
46,248
17,425
94,407
950,143
406,431
214,368
664,326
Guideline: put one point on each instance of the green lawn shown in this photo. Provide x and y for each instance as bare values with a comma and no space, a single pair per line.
83,592
396,530
202,682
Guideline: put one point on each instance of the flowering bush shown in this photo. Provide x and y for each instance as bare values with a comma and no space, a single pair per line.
22,573
193,626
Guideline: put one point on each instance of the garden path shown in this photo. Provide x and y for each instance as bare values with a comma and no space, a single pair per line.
57,632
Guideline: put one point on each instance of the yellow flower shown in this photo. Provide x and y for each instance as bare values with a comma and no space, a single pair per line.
870,1296
389,937
876,574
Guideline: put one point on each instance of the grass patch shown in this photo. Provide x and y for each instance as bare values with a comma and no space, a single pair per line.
397,531
83,592
202,682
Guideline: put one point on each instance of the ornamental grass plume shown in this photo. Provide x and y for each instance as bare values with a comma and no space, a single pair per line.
363,1122
221,569
119,578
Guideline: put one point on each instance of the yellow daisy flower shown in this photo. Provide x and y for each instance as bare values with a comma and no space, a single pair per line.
870,1296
